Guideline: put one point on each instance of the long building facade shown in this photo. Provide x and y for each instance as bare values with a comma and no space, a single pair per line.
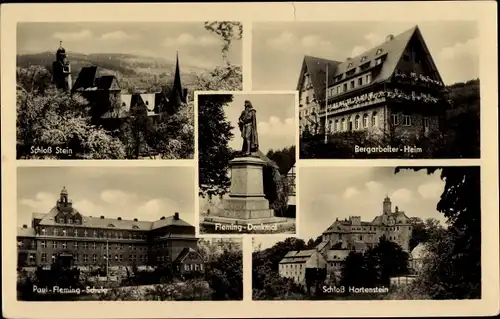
97,240
393,88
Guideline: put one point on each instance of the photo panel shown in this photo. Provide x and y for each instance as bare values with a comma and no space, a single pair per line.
118,234
246,162
378,233
118,90
390,89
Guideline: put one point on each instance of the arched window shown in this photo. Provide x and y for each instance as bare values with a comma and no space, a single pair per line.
357,122
344,125
365,120
337,125
374,119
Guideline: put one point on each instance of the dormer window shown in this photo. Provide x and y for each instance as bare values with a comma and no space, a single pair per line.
111,225
61,220
363,59
135,227
378,51
350,65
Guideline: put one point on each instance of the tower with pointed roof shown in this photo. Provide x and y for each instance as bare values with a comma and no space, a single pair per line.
61,70
387,205
393,88
178,95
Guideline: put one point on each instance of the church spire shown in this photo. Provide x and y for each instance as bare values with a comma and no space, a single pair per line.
176,96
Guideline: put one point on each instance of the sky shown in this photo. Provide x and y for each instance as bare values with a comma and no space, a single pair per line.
275,119
327,193
278,48
197,46
146,193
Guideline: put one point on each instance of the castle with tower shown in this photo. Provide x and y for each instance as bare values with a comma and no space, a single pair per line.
105,96
347,235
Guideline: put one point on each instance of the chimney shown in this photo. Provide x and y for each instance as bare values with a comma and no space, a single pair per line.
119,218
162,218
135,219
25,226
390,37
397,209
102,217
176,216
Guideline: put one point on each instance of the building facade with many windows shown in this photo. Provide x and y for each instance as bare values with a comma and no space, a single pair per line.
394,88
88,240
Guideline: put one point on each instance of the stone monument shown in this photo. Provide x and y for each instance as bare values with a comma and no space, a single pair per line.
246,204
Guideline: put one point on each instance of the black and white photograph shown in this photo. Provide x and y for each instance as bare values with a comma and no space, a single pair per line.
377,233
107,233
119,90
376,89
246,162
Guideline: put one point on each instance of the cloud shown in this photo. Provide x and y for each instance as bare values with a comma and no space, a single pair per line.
461,53
374,187
117,197
277,127
370,40
88,208
287,42
73,36
186,39
42,202
431,190
350,192
402,195
158,207
117,35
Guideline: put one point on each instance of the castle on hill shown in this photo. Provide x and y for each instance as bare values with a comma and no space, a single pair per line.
105,95
347,235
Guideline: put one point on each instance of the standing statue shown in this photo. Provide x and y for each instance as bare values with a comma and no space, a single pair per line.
248,127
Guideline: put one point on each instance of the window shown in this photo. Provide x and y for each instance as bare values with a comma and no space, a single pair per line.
95,233
94,258
85,258
20,243
360,81
378,61
120,257
44,257
64,232
368,78
378,51
75,245
85,233
77,221
70,221
337,125
352,84
61,220
54,244
365,120
374,122
55,231
406,120
186,267
357,122
314,96
64,245
349,66
395,119
345,87
117,246
426,123
44,244
75,233
85,245
344,125
307,99
94,246
338,89
363,59
43,231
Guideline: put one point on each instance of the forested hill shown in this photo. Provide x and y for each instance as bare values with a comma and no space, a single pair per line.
131,70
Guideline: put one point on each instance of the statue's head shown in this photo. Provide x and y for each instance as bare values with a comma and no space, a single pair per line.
248,104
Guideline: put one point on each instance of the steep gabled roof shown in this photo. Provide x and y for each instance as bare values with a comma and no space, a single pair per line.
108,82
185,252
297,256
169,221
316,67
85,78
391,49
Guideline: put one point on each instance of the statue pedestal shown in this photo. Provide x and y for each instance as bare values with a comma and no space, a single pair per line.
246,204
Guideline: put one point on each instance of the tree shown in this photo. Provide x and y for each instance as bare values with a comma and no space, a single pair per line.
284,158
48,118
422,231
227,30
226,276
214,134
452,267
389,259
